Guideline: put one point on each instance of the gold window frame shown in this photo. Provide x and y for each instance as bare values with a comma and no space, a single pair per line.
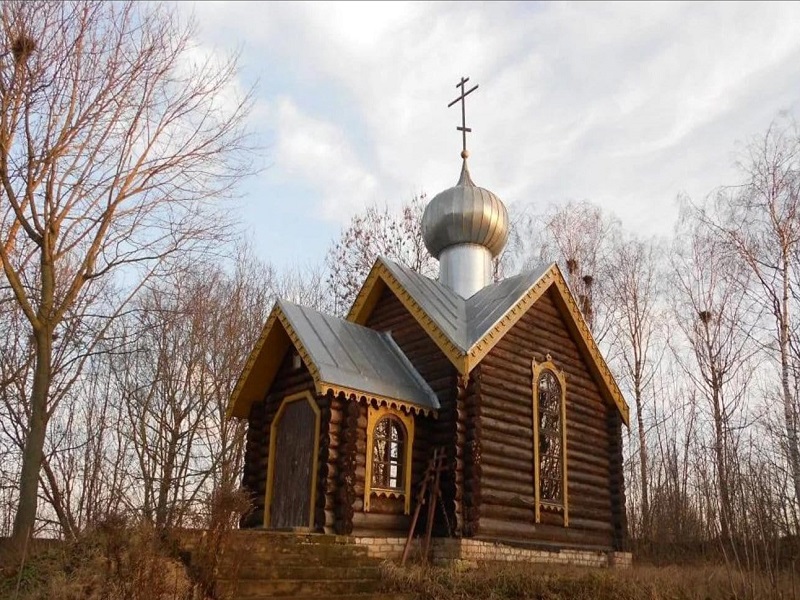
538,369
374,416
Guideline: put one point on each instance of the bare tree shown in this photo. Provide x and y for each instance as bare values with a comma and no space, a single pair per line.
717,318
760,224
579,236
189,337
635,282
377,232
112,140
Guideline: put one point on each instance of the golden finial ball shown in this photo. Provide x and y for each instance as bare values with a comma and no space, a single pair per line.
465,154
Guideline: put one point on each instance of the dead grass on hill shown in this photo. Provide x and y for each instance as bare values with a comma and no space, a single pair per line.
107,563
541,582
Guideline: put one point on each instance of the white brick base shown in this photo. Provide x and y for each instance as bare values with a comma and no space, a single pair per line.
453,549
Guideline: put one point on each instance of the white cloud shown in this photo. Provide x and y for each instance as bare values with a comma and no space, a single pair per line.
319,154
626,104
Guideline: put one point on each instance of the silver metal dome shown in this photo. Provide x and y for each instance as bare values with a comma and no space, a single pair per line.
465,214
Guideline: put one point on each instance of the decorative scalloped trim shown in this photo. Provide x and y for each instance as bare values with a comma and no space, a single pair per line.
591,347
465,362
374,415
301,350
375,401
321,386
379,493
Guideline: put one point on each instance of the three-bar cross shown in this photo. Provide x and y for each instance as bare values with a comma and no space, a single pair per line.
463,129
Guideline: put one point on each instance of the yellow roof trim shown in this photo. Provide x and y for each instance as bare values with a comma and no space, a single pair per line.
249,387
361,396
555,279
369,295
380,276
597,363
484,345
264,361
269,362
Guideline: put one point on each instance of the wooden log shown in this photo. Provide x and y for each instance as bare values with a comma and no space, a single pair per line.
499,438
490,485
508,462
362,520
499,449
495,473
510,513
505,402
508,499
517,430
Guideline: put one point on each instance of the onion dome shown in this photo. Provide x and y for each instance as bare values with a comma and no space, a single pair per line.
465,214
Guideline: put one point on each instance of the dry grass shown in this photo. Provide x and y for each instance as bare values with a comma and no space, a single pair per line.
108,563
520,581
122,560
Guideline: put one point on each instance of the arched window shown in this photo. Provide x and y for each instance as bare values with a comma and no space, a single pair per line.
388,454
390,435
550,439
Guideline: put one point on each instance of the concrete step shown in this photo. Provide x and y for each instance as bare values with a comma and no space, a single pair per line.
254,538
251,589
300,556
262,571
285,539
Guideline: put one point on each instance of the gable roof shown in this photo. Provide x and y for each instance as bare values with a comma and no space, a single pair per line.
340,355
467,329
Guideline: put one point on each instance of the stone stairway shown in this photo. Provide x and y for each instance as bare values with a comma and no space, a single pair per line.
261,565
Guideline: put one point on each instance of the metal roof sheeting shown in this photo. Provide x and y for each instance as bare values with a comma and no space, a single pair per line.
350,356
464,322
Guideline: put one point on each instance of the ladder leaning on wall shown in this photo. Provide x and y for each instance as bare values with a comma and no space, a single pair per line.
429,493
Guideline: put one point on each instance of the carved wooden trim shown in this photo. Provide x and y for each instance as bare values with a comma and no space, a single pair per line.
374,416
466,361
469,402
539,368
373,400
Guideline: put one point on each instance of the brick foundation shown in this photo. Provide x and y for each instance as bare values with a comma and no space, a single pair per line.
388,548
447,550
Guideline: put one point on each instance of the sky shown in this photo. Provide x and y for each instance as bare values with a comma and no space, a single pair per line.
627,105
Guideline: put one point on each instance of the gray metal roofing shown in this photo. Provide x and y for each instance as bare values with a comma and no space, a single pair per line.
358,358
464,321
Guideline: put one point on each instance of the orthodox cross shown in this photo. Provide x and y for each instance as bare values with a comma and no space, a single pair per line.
463,129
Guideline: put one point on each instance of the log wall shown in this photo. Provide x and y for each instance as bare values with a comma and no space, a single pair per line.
594,452
386,515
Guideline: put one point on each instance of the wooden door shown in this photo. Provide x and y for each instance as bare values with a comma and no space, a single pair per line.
294,435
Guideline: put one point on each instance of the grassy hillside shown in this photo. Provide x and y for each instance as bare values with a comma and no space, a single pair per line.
523,582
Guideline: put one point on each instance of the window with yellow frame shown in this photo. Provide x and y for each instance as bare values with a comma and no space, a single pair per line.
390,436
550,439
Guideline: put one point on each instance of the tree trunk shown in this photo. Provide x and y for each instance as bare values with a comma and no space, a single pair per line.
643,470
719,452
788,400
33,453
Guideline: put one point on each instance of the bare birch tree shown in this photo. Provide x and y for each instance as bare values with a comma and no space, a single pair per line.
760,224
635,282
112,143
377,232
717,318
579,236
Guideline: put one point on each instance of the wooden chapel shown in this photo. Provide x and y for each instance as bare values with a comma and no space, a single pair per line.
504,377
